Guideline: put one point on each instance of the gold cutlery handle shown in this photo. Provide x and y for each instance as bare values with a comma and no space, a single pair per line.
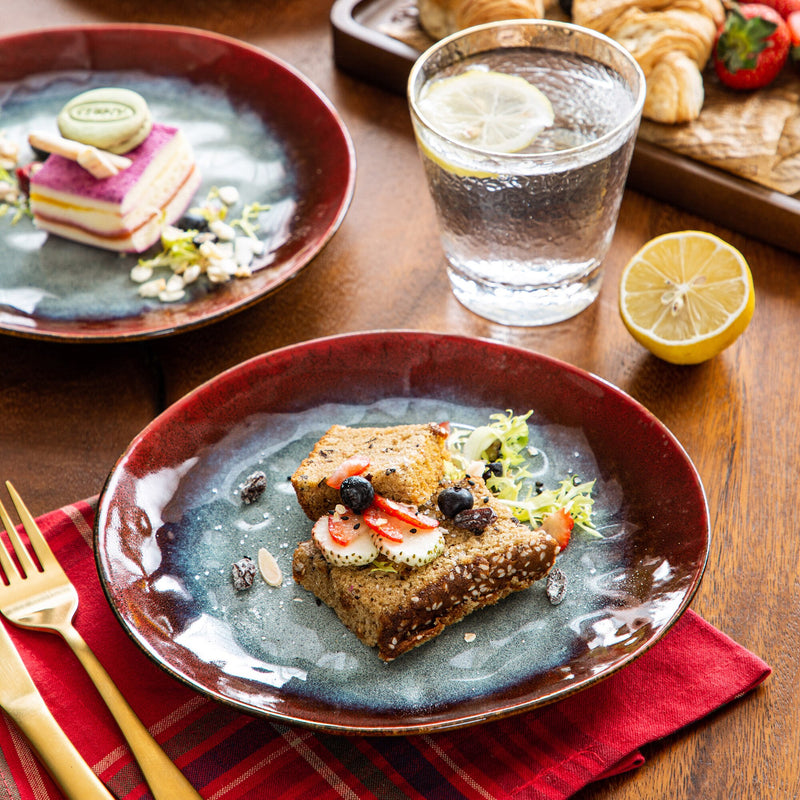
58,754
165,780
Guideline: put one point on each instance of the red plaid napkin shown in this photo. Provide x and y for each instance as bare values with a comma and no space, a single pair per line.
545,754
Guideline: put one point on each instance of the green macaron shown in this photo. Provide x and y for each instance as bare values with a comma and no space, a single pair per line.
112,119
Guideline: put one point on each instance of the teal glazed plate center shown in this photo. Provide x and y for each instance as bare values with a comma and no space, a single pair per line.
171,522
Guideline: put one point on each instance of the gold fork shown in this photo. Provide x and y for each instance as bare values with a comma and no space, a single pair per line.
46,600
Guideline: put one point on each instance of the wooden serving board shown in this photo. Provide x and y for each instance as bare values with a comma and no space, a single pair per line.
362,49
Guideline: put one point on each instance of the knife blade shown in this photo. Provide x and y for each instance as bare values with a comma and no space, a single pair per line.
21,700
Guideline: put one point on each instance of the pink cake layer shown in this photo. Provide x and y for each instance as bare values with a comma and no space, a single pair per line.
62,175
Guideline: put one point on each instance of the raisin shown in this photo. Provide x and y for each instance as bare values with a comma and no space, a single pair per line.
475,519
254,487
243,572
556,586
493,469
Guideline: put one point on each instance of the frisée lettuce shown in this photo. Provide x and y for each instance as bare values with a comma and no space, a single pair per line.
500,452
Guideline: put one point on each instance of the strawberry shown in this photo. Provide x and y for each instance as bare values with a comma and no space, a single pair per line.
783,7
793,24
405,512
343,528
752,46
559,525
386,525
400,540
23,175
354,465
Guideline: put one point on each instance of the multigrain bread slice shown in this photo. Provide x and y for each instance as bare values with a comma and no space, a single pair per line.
396,611
406,463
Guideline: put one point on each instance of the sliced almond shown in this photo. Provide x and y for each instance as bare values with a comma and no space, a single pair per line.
270,571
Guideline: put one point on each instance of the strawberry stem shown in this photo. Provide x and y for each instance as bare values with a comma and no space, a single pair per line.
742,40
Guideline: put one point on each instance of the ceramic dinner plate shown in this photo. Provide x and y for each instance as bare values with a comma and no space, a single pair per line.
171,522
253,122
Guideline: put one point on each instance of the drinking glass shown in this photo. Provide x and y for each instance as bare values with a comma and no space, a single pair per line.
525,233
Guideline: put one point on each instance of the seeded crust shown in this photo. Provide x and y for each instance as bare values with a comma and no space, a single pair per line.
396,612
406,464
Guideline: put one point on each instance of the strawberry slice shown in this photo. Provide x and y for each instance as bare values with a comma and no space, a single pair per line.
355,465
405,512
391,528
793,24
559,525
343,528
23,175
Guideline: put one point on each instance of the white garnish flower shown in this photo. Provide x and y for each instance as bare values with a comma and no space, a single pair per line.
153,288
229,195
220,252
141,273
217,273
175,284
243,251
191,273
171,297
223,231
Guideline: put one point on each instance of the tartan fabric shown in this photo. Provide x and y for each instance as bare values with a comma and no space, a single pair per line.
546,754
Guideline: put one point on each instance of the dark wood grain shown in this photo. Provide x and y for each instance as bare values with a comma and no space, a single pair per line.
68,411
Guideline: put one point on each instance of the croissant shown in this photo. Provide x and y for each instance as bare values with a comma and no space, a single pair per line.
671,39
440,18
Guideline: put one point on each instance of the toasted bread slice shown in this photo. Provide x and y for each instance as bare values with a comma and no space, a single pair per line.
406,463
396,611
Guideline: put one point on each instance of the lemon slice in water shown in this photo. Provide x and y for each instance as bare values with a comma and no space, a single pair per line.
686,296
489,110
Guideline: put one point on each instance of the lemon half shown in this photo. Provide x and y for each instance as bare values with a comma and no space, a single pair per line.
686,296
488,110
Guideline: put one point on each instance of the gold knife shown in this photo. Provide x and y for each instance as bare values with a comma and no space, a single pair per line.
21,700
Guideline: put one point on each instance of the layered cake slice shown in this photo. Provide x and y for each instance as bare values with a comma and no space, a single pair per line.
397,573
126,211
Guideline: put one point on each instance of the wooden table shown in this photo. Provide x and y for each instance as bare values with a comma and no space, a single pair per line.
68,411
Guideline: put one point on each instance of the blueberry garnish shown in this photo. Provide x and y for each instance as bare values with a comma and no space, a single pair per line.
356,493
453,500
192,221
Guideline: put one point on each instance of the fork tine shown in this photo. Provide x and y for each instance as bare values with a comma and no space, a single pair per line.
38,542
25,561
6,564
